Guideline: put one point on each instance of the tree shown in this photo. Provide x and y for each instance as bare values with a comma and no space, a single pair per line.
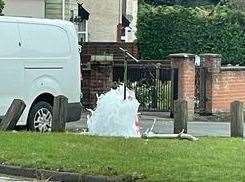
1,6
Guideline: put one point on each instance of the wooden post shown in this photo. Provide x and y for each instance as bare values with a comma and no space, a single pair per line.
236,119
180,116
59,114
13,115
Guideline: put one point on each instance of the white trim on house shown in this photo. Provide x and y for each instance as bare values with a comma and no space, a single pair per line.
85,33
63,9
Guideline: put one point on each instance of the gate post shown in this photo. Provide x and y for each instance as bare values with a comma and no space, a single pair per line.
185,63
237,119
213,64
180,116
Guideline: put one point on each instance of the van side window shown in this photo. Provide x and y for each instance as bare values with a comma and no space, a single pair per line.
9,40
40,41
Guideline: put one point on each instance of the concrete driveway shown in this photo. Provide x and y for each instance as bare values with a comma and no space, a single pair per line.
165,125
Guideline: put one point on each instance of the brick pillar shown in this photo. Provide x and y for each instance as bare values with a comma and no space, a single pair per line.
101,81
185,63
86,87
213,64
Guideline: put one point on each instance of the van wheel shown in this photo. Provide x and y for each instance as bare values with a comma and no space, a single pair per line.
40,117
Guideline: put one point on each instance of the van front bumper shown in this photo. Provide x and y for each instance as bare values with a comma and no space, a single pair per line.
74,112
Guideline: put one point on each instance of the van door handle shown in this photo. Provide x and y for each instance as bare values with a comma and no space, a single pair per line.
19,44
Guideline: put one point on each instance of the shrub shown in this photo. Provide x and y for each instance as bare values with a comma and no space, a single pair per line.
163,30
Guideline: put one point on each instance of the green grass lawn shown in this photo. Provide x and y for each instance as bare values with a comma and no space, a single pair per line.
209,159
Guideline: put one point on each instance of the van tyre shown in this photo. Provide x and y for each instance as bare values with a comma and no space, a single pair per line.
40,117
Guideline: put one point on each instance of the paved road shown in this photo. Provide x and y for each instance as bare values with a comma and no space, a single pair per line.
193,128
5,178
165,125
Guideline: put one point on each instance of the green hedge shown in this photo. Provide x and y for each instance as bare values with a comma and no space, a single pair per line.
181,2
163,30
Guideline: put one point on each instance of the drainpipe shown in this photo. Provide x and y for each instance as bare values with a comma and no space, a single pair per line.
63,9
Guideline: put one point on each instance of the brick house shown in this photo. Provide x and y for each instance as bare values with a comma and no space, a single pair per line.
53,9
96,21
69,10
26,8
111,20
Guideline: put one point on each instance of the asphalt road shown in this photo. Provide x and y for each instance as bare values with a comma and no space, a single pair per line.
5,178
165,125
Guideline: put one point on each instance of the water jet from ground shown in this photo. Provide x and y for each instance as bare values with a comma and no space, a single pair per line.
114,116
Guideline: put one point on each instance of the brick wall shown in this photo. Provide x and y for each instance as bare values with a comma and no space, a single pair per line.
111,48
96,81
228,85
224,84
101,81
97,76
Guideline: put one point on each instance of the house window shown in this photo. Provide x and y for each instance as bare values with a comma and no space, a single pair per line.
72,15
82,22
83,31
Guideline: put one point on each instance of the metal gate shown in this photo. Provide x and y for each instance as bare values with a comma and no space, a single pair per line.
155,87
200,89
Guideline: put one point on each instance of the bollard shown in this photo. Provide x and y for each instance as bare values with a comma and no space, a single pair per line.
180,116
59,114
13,115
236,111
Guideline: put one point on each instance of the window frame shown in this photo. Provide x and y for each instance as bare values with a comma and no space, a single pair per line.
83,32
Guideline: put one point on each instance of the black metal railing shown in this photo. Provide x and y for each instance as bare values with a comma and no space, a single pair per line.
152,85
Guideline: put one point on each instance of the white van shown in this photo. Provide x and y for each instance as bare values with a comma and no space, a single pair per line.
39,59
